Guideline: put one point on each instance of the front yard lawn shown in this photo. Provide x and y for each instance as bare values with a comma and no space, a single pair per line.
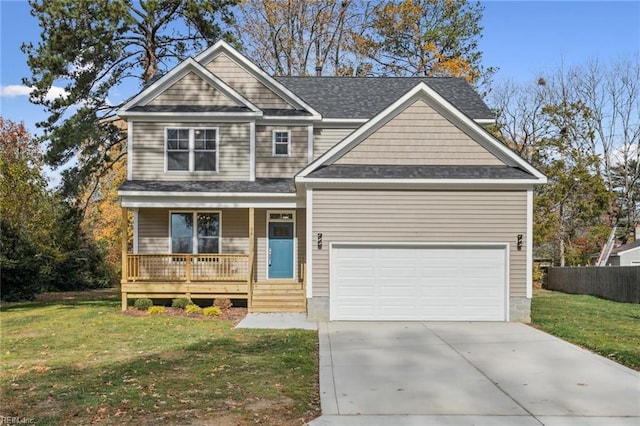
611,329
83,362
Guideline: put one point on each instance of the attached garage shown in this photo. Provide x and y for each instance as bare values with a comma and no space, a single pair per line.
414,282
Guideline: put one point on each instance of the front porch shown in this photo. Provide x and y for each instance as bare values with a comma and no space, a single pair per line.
211,275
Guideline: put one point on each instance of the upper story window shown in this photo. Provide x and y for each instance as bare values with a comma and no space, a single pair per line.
192,150
281,143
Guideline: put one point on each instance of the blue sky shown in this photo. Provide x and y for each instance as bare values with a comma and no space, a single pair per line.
521,38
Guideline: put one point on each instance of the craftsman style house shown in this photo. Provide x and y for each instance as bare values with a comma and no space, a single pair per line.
345,198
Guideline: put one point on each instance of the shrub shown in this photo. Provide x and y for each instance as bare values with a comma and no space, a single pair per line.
180,303
223,303
212,311
143,304
192,308
156,310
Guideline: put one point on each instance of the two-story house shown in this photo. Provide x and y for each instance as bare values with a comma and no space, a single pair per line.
346,198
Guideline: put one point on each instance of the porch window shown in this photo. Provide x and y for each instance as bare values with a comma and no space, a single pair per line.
195,232
281,143
192,149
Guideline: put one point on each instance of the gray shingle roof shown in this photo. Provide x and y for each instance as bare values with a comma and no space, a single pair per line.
625,247
364,97
189,108
258,186
344,171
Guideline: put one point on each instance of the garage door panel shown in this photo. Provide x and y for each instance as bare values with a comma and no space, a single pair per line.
418,283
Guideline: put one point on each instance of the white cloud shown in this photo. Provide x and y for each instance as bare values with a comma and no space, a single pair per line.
15,90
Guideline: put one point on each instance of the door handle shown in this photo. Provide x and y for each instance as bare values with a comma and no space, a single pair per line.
269,256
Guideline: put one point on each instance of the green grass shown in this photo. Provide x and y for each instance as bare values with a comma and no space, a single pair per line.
611,329
82,361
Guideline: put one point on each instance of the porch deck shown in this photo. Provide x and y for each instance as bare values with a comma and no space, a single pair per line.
208,276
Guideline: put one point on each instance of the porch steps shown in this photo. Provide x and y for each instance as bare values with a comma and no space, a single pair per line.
278,296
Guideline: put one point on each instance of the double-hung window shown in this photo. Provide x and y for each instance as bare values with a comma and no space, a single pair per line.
281,143
192,150
195,232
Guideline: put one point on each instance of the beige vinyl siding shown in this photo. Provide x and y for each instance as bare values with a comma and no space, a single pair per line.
191,90
235,231
420,217
419,136
268,166
325,139
153,231
242,81
149,152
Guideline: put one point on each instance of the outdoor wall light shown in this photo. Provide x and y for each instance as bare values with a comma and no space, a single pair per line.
519,242
319,240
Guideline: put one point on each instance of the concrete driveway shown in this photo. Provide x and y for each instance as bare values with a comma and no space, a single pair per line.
467,374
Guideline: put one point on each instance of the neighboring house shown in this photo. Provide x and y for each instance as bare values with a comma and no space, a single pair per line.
347,198
625,255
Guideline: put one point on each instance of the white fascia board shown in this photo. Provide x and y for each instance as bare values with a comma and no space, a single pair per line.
129,150
529,245
344,120
491,184
190,116
173,76
199,203
263,77
172,194
296,119
485,121
422,90
309,242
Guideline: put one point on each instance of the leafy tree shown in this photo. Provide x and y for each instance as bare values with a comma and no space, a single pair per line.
41,244
95,49
424,37
298,37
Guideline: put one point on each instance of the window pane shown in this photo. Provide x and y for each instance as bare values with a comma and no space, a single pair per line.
181,245
281,137
181,233
205,161
177,160
208,245
208,225
282,149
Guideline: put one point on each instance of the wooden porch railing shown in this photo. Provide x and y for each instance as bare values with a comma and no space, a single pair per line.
187,267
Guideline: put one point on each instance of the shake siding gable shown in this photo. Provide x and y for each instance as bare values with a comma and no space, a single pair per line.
243,82
419,135
420,217
268,166
325,139
149,152
192,90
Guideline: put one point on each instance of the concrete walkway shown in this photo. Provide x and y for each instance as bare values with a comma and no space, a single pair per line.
277,321
467,374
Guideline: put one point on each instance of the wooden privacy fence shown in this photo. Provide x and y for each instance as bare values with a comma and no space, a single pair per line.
617,283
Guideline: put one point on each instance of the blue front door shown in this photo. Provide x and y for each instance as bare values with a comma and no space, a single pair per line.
280,254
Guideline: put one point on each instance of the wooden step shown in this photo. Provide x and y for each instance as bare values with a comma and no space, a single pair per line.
266,310
289,286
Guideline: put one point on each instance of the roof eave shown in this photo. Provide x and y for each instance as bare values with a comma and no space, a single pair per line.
423,183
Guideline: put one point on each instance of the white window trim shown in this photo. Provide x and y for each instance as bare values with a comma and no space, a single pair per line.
273,143
194,237
295,241
192,150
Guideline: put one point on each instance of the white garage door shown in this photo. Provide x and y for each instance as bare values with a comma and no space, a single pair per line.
418,283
